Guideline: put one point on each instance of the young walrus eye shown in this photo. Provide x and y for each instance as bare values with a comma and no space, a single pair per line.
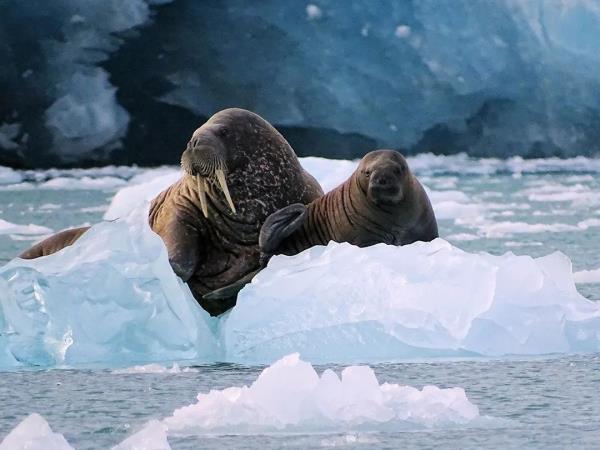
223,132
367,173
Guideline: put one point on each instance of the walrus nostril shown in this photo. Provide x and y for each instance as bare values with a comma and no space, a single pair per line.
381,180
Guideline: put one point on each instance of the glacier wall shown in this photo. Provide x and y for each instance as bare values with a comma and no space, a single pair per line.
90,82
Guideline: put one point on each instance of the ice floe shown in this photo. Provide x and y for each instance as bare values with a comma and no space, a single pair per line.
343,303
587,276
154,369
152,437
290,395
31,229
112,299
34,433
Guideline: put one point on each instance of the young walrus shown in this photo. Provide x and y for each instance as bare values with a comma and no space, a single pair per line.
237,170
381,202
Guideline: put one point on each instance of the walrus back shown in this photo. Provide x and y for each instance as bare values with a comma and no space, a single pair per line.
54,243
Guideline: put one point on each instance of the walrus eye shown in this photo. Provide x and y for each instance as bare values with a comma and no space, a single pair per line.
223,132
367,173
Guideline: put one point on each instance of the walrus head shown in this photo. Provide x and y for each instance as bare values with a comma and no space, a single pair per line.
383,176
206,159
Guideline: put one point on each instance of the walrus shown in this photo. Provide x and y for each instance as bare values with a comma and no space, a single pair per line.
381,202
237,170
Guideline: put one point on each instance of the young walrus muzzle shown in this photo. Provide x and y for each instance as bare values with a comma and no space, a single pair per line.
381,202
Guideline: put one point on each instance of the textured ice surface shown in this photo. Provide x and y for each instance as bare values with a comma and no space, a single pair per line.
34,433
111,298
290,395
340,302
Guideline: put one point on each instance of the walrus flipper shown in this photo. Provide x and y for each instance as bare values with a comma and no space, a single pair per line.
279,226
54,243
181,241
232,289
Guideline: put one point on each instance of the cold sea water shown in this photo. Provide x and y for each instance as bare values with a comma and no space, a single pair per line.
495,206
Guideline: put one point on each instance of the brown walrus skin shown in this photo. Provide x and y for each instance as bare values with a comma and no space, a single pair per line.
54,243
381,202
238,170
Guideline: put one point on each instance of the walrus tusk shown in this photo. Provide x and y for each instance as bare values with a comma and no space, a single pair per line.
202,195
223,183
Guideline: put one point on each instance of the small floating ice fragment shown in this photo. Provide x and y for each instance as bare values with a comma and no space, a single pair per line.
34,433
290,395
154,369
31,229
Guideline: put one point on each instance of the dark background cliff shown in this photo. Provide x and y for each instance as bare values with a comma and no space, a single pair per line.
86,82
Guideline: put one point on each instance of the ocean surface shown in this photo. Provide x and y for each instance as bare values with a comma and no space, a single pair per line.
494,206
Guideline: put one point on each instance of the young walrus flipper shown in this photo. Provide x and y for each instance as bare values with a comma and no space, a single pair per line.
279,226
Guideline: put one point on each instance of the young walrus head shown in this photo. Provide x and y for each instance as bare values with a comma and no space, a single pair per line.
384,177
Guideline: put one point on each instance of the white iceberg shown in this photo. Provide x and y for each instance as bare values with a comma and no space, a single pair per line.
34,433
343,303
110,299
290,395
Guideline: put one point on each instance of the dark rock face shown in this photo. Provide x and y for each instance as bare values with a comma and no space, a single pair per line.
88,83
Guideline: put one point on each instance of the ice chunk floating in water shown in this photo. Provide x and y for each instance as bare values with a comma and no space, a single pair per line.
343,303
290,395
111,298
34,433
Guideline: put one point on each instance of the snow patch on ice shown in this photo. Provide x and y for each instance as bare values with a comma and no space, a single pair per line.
290,395
313,12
